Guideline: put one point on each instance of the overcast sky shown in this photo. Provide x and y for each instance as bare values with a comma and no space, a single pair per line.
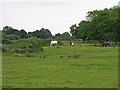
55,15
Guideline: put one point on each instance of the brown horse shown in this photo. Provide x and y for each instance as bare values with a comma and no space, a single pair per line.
104,43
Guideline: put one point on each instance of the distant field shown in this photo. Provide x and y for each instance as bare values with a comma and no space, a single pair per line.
63,67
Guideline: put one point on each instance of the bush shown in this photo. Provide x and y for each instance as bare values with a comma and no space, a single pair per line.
60,43
20,50
45,42
4,49
41,48
28,55
76,56
13,37
6,41
30,44
30,50
61,56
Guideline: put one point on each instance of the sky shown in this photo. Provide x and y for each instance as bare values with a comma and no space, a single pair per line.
55,15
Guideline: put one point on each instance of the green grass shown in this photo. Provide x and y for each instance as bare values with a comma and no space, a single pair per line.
63,67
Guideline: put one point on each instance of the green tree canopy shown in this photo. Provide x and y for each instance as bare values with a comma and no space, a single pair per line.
99,25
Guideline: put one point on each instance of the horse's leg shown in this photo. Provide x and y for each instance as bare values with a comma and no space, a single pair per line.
103,45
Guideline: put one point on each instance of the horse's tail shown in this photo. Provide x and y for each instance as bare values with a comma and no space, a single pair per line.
108,44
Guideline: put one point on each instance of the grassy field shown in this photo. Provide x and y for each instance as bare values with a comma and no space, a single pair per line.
63,67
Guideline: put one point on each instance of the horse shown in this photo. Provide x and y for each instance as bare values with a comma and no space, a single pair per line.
104,43
71,44
53,43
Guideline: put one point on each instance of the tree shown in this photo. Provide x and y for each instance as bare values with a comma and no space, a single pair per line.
104,25
36,33
10,33
23,33
66,36
7,28
43,33
83,29
74,31
57,35
99,25
12,37
63,36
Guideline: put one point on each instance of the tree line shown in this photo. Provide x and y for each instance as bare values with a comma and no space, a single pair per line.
99,25
14,34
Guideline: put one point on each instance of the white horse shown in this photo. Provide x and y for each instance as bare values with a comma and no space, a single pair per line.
53,43
72,44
